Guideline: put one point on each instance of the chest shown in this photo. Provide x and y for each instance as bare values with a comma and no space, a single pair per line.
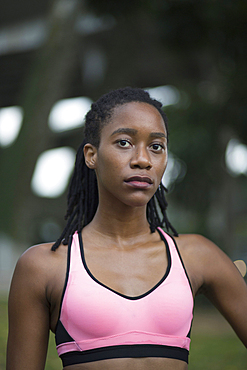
129,272
163,307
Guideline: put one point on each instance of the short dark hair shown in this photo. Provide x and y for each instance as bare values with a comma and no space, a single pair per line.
83,189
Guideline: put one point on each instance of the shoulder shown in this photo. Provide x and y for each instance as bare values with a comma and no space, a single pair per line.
193,241
38,256
38,264
39,251
197,247
204,260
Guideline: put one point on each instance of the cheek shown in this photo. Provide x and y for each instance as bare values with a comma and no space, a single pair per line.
109,167
113,159
161,167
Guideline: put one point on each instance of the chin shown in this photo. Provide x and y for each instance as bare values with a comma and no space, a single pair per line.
138,202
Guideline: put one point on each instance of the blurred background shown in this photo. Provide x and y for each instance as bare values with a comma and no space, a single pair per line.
57,57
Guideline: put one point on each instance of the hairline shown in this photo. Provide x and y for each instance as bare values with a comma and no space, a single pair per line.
110,114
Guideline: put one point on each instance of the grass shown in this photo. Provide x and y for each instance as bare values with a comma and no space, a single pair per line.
214,344
217,353
3,331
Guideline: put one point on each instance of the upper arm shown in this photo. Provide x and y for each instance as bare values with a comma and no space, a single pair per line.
225,287
28,315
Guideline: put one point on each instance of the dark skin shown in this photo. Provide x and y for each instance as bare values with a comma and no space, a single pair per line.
119,248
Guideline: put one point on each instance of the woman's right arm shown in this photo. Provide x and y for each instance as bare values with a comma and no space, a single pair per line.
29,312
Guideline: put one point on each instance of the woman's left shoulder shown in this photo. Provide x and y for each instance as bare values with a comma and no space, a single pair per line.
199,248
188,241
207,265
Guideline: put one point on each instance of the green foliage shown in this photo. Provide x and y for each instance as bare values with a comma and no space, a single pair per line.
3,331
53,361
217,353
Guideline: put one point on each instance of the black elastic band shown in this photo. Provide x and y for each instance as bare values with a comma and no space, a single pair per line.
124,351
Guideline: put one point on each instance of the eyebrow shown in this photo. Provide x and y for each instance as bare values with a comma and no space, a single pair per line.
132,131
157,134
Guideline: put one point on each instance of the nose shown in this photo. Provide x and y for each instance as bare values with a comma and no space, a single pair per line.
141,158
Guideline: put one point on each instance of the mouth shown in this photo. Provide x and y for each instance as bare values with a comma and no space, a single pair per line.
140,179
139,182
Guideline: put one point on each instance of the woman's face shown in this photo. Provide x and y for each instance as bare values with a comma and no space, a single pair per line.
132,155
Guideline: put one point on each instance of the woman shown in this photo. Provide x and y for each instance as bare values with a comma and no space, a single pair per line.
118,291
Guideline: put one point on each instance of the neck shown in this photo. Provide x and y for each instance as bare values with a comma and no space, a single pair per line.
120,221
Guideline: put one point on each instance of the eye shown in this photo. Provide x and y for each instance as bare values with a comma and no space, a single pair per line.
124,143
157,147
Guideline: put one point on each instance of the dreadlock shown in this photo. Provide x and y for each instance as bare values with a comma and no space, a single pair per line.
83,190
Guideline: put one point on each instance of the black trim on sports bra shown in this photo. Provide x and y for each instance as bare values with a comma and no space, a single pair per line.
62,336
114,291
186,273
66,278
180,257
124,351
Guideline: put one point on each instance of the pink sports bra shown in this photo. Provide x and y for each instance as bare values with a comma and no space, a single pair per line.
98,323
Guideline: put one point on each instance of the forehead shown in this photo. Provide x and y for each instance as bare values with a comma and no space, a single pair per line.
138,114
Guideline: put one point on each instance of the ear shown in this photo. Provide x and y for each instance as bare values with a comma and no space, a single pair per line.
90,154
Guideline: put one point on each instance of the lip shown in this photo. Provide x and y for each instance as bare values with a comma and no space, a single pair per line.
139,178
139,182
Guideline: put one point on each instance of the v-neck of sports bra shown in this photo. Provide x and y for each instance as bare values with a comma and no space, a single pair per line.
118,293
